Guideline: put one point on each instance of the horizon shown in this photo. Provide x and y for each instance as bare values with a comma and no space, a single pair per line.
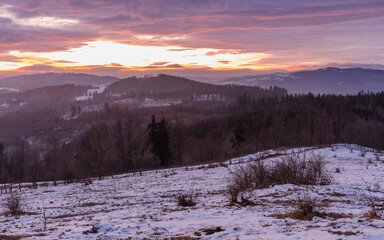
211,39
195,78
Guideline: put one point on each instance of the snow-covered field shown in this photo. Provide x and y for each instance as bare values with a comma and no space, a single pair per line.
90,92
148,102
138,207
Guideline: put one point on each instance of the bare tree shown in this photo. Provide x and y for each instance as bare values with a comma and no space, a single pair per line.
33,166
94,150
124,143
3,168
142,151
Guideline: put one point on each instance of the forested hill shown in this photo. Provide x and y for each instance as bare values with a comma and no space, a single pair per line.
51,79
178,87
325,80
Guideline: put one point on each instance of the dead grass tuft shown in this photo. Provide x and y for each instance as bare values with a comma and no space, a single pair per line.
91,204
307,209
6,237
346,233
209,231
186,200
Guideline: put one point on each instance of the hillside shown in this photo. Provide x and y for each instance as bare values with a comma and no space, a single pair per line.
325,80
167,86
50,79
139,207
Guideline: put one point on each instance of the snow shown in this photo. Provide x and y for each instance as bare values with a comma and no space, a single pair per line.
5,89
90,92
148,102
208,97
98,89
4,105
83,98
145,206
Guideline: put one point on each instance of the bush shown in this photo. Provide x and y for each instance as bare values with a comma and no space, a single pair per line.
184,200
13,203
306,209
294,169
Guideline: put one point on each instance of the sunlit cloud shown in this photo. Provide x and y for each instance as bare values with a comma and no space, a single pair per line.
166,38
6,66
189,37
106,53
41,21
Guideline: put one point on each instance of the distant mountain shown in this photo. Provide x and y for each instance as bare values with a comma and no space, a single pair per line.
324,80
51,79
167,86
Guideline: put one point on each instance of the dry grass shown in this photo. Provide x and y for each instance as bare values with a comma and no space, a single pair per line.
346,233
13,204
336,194
186,200
372,214
306,209
6,237
183,238
294,169
91,204
209,231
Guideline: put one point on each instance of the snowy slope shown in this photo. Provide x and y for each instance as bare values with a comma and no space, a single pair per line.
145,206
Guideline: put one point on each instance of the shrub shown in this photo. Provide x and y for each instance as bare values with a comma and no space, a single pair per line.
363,153
93,230
306,209
87,181
373,202
13,203
185,200
294,169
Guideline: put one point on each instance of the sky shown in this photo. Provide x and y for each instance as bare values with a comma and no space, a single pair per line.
200,38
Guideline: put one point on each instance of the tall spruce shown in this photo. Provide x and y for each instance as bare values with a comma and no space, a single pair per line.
159,141
237,141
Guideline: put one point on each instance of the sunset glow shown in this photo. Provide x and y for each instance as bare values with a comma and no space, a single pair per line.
188,37
111,54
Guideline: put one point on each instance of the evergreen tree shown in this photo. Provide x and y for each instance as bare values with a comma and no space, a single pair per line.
237,141
158,139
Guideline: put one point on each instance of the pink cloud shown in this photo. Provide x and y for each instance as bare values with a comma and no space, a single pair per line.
292,32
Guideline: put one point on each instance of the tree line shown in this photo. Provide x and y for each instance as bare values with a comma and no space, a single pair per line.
175,136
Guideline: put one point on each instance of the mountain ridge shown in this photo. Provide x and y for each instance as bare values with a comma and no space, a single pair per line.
328,80
24,82
324,80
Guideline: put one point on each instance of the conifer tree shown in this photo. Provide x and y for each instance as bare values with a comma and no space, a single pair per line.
158,139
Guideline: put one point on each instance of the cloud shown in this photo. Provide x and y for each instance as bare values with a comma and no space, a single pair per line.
162,19
180,49
40,41
290,33
39,68
159,63
38,21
